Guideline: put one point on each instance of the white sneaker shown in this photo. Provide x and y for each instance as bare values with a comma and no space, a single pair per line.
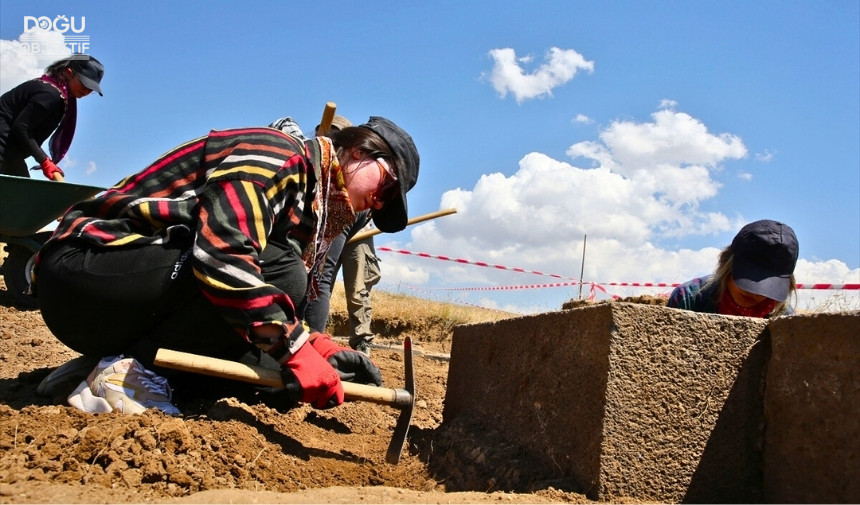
123,385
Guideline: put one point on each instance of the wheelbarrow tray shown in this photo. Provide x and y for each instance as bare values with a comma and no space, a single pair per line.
28,205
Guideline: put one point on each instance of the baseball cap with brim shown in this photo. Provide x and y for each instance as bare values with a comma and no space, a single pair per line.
90,71
765,254
393,216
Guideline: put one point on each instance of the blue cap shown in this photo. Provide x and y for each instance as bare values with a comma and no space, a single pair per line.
764,256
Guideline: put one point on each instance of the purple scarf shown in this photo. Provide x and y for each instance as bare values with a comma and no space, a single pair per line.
62,137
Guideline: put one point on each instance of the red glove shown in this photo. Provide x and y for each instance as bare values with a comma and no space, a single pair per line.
320,384
49,169
351,365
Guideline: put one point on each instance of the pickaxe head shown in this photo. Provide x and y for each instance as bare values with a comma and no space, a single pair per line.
406,404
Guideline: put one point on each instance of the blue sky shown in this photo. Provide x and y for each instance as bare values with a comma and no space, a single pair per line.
656,129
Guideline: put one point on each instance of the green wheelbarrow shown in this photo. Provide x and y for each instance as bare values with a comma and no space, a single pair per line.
27,206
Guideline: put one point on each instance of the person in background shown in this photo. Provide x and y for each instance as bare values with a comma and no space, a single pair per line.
316,312
209,250
32,110
338,123
754,276
360,273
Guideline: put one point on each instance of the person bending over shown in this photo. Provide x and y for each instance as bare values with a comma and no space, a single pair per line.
209,250
754,276
32,110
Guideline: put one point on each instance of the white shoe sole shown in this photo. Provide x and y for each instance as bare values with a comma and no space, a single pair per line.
82,398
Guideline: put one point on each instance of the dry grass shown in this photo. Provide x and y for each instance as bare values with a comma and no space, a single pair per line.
396,316
829,301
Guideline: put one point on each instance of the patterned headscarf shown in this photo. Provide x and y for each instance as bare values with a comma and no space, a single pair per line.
289,126
332,208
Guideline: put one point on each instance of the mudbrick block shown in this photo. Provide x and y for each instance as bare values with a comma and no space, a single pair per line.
625,400
812,410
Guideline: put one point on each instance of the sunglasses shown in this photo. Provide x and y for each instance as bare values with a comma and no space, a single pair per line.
388,187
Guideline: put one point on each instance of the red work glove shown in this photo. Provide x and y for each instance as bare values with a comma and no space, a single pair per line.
319,382
49,169
351,366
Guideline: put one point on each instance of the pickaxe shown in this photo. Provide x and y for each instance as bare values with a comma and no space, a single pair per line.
403,399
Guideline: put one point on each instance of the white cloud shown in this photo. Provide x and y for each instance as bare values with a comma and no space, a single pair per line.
71,163
668,104
826,272
68,163
669,159
403,271
765,157
745,176
582,118
673,138
646,185
27,57
559,67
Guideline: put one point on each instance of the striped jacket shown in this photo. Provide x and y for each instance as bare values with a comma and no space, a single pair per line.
233,191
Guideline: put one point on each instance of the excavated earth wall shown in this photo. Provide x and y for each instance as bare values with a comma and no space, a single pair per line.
812,410
635,401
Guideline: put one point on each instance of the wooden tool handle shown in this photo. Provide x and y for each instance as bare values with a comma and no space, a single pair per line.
426,217
327,118
226,369
58,177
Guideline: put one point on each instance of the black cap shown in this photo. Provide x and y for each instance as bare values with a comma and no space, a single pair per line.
393,216
765,254
90,71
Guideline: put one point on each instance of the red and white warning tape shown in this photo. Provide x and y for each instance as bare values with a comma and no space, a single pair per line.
828,286
476,263
592,290
509,288
598,285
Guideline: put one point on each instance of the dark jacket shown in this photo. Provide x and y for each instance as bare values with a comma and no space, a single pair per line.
29,113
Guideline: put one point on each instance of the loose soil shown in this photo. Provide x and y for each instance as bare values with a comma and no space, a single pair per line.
223,450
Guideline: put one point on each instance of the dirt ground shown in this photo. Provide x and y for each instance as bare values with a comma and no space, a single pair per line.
223,450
